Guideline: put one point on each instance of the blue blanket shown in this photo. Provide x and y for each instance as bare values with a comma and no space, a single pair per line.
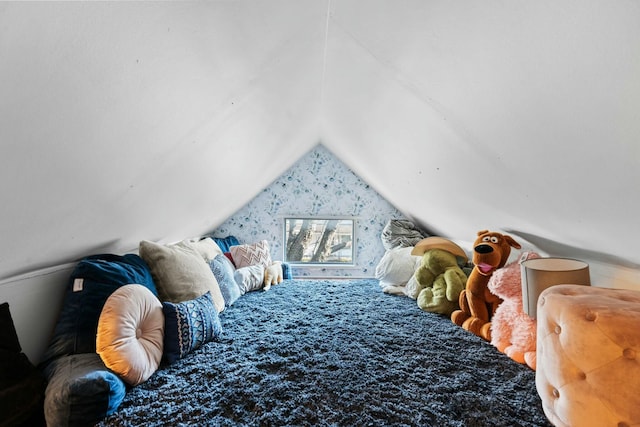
336,353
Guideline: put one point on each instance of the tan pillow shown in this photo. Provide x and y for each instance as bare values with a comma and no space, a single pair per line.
206,247
180,272
251,254
130,333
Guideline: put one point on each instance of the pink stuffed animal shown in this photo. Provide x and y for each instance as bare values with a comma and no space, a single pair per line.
513,332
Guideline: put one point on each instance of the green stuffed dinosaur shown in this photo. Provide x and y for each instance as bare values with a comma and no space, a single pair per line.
439,276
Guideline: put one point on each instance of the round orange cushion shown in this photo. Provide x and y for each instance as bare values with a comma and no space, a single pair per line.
130,333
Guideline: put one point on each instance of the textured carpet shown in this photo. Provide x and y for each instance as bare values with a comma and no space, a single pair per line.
336,353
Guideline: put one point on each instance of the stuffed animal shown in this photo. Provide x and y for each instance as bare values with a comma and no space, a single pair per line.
513,332
272,275
441,280
445,262
477,304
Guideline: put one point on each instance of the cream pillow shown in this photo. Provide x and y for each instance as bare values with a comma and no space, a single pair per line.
249,278
396,267
130,333
206,247
180,272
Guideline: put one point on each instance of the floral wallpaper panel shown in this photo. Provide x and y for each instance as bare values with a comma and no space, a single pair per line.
318,184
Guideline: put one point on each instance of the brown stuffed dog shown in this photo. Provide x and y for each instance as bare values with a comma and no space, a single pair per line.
477,304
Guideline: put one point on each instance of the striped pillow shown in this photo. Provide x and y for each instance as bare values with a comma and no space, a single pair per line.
251,254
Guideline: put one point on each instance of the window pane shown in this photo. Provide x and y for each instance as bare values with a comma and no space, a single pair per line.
318,240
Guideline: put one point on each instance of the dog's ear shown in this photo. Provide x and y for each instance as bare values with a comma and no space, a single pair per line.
511,242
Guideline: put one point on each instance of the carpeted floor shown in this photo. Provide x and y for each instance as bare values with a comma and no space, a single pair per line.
336,353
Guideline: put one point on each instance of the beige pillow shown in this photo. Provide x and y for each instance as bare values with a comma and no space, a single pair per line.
180,272
130,333
206,247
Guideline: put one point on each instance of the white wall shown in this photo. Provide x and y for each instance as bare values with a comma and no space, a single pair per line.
35,299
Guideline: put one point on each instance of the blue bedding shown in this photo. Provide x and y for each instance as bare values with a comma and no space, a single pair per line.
335,353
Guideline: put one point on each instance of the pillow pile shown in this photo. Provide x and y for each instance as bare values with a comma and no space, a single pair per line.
193,284
123,315
81,389
247,264
250,261
92,281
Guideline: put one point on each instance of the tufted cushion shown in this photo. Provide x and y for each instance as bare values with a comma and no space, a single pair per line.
588,355
188,325
251,254
130,333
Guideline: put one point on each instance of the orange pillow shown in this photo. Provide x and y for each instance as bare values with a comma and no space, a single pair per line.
130,333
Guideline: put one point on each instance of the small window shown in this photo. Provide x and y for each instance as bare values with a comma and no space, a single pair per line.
319,240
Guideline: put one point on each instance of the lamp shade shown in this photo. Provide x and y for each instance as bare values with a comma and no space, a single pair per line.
540,273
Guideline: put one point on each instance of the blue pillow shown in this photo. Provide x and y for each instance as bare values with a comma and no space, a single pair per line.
224,243
188,325
92,281
81,391
223,271
286,271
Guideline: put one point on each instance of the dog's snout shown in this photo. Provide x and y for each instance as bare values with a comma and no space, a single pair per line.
483,249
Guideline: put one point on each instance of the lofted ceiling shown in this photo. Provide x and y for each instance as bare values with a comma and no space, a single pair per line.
122,121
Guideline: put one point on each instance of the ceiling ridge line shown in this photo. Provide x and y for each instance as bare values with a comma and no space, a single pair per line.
324,59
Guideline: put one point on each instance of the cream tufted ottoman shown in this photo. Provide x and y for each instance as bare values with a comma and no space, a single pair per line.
588,350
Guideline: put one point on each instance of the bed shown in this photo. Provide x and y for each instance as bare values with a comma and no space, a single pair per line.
186,334
335,353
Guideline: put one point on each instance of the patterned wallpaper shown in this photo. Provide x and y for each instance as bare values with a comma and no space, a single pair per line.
317,185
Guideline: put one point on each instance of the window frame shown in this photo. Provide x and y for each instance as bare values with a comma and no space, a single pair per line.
346,233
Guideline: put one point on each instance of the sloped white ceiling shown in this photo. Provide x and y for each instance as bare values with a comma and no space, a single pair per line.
520,116
122,121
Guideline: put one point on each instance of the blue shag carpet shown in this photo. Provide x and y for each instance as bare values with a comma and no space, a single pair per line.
336,353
